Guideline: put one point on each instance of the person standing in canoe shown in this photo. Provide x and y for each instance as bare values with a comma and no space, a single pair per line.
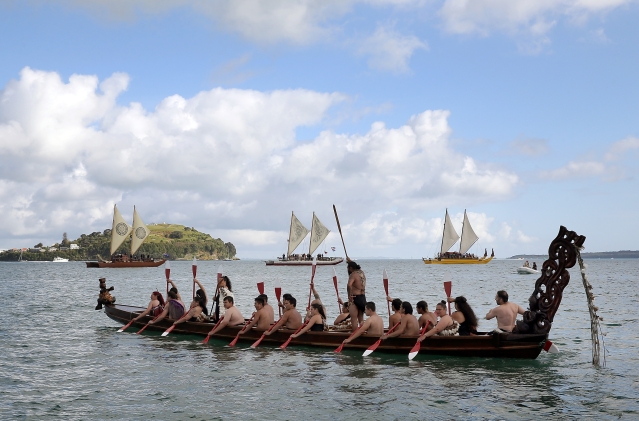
356,289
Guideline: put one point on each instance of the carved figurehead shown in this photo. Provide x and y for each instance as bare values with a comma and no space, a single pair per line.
105,297
545,299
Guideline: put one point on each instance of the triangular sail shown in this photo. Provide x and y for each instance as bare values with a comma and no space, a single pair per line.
140,232
468,236
450,236
318,234
120,230
297,234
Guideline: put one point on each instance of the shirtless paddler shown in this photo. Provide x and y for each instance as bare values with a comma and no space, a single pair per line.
356,289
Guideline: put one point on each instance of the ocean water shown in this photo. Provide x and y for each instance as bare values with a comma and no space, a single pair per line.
61,359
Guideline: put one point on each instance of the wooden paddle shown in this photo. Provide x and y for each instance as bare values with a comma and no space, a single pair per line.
146,325
448,287
340,231
339,348
336,289
288,341
170,329
208,335
373,347
310,291
126,326
260,287
256,343
415,349
167,272
194,269
385,276
278,295
234,341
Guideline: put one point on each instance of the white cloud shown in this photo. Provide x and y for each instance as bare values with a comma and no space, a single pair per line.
225,159
528,147
619,149
575,169
389,50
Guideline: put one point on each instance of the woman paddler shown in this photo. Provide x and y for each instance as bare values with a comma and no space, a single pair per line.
174,308
446,325
155,307
316,323
464,315
224,290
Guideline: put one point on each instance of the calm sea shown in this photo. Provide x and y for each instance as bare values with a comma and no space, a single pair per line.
61,359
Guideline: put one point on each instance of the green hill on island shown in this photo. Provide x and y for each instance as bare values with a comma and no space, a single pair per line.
176,241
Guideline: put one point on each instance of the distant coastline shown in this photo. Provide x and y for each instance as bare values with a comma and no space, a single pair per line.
622,254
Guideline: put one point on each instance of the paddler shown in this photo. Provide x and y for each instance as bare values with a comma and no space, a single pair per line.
505,312
373,325
262,318
408,326
268,308
291,319
232,316
174,308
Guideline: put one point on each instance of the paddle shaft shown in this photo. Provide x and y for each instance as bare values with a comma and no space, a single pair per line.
288,341
448,287
379,341
337,293
340,231
170,329
208,336
256,343
310,291
146,325
386,289
339,348
234,341
418,345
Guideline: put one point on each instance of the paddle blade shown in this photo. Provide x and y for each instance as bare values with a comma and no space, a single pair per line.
448,287
219,273
256,343
260,287
125,326
385,276
206,340
194,267
551,347
285,344
339,348
278,293
169,330
414,351
234,341
167,269
372,348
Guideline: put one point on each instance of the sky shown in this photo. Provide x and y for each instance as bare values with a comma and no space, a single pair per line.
227,116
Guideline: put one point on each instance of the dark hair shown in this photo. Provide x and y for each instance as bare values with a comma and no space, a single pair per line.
408,309
397,304
174,289
467,311
353,265
291,300
319,308
503,295
422,304
260,300
228,283
286,296
159,296
370,305
199,293
172,294
264,297
442,304
229,299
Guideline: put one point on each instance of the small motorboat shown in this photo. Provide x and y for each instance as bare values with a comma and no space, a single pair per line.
60,259
524,270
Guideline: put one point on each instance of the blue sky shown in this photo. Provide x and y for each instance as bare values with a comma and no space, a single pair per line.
227,115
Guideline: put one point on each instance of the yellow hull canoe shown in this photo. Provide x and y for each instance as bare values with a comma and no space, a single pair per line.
480,261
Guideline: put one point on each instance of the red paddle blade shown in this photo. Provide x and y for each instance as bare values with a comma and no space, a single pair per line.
285,344
126,326
448,287
256,343
372,348
169,330
260,287
206,340
167,269
551,347
339,348
234,341
278,293
335,282
414,351
386,285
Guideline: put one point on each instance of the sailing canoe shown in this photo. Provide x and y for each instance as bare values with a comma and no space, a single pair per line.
460,261
128,264
329,261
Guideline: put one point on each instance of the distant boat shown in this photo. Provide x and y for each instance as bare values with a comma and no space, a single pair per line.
297,233
526,271
450,237
60,259
120,231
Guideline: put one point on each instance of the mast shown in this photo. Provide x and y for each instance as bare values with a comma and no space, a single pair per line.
441,249
310,242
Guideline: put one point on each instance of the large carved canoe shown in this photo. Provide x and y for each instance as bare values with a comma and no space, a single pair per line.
485,346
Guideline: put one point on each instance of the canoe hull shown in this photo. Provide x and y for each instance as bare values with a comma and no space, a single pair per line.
480,261
484,346
303,262
133,264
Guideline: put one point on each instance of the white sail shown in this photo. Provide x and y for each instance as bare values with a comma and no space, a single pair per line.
297,234
140,232
468,237
120,230
450,236
318,234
